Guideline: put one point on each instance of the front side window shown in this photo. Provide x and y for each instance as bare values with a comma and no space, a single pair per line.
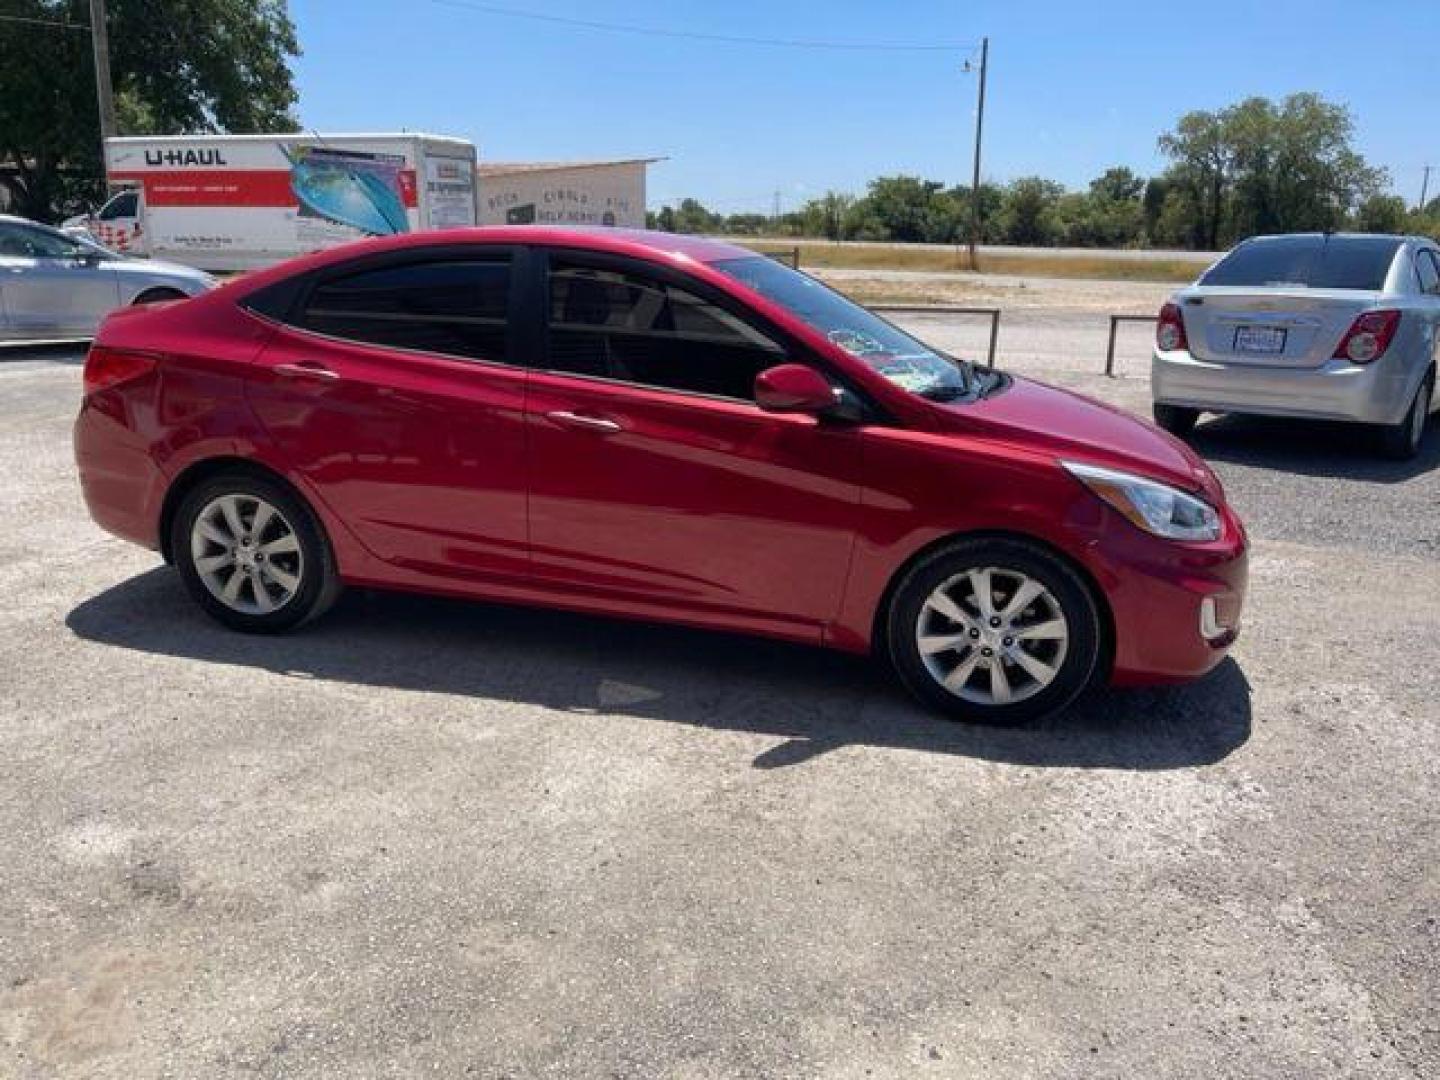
886,348
1308,262
457,307
628,326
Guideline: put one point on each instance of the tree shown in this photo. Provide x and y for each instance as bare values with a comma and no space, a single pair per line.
178,67
1202,172
902,206
1026,214
1382,214
1261,167
746,224
1117,185
691,216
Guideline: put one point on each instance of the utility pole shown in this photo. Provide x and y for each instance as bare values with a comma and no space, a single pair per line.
979,128
776,216
103,91
1425,187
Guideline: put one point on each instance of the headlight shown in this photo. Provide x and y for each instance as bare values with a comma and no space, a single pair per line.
1157,508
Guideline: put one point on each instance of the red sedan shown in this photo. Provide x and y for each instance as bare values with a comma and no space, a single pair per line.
656,427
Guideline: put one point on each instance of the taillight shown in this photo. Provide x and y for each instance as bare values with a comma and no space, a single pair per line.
105,368
1368,337
1170,330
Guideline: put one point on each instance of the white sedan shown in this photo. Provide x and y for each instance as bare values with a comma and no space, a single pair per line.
57,286
1330,326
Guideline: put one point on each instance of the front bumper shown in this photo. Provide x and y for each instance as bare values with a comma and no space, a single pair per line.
1377,393
1176,607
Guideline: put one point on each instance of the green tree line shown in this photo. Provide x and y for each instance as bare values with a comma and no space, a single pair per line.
1256,167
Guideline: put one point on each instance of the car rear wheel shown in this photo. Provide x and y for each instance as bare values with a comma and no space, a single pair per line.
1175,419
994,631
252,555
1402,441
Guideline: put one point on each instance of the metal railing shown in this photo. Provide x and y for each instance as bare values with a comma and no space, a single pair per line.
947,309
789,256
1115,321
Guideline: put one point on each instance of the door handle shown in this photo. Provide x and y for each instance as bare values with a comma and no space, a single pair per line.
306,371
589,423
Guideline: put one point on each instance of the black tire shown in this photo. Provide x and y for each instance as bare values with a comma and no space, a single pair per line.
1175,419
314,565
1402,441
155,296
1073,673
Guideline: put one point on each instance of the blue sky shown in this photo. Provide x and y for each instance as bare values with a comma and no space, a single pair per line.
1074,86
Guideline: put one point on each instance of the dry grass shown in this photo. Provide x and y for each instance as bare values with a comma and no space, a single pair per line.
1053,296
1099,266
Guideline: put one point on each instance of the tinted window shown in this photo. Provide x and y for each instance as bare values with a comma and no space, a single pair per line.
1313,262
1427,271
457,307
630,327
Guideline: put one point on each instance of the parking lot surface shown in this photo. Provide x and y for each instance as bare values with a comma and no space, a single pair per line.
432,838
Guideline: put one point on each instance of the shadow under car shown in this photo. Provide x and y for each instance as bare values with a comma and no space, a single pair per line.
815,699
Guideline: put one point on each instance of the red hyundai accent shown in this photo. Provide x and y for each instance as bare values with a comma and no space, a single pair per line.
656,427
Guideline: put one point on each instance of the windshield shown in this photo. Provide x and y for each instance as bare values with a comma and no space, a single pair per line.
885,348
1309,262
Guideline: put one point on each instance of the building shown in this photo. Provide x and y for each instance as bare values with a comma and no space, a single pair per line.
610,193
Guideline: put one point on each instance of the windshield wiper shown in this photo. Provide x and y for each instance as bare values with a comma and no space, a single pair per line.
945,393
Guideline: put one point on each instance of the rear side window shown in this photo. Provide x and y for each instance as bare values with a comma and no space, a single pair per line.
631,327
1427,271
457,307
1310,262
22,240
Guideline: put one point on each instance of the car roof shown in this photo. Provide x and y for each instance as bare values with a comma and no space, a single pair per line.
637,243
1398,238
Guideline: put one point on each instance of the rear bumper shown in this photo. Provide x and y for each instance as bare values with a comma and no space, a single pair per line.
1376,393
121,484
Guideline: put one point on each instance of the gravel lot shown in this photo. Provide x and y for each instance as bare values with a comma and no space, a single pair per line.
428,838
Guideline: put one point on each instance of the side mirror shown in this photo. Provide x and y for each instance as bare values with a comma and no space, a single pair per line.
793,388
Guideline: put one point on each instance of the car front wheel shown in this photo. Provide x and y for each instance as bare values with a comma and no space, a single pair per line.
994,631
252,555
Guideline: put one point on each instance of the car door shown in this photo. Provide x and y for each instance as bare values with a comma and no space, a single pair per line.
655,477
54,286
394,388
1427,273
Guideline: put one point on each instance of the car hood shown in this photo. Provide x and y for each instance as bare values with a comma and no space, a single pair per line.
1075,427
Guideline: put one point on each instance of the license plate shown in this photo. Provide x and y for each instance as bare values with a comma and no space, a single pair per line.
1263,340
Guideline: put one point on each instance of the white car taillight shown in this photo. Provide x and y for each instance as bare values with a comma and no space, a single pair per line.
1170,331
1368,337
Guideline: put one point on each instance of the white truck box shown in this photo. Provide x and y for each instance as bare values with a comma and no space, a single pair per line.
235,202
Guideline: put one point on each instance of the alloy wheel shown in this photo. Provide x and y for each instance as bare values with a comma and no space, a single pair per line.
247,554
992,636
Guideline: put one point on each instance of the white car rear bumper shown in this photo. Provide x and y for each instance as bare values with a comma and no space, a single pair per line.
1376,393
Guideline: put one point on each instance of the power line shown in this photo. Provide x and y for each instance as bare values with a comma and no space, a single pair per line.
45,22
695,35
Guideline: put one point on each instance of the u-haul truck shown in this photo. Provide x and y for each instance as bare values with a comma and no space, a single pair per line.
235,202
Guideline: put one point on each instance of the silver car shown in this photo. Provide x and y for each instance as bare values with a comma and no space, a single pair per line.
1330,326
56,286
